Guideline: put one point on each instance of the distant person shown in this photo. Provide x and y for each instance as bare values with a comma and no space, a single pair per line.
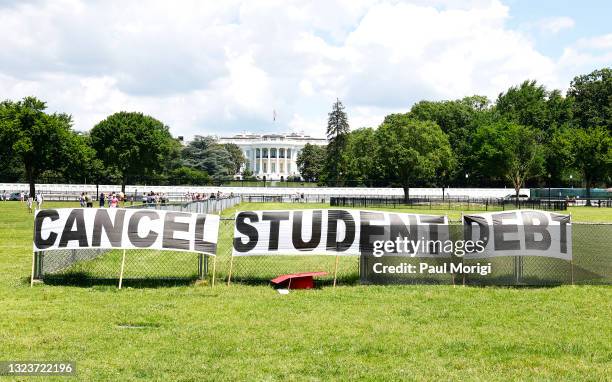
88,200
22,196
102,200
30,201
113,201
82,200
39,200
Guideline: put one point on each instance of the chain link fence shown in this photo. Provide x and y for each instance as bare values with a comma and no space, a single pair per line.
450,203
592,264
142,266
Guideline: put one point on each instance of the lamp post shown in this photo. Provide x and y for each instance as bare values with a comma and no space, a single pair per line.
571,181
549,191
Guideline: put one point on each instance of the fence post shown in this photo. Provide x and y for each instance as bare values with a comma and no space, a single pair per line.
518,269
33,268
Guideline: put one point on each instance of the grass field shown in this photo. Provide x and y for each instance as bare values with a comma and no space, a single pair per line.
195,332
579,214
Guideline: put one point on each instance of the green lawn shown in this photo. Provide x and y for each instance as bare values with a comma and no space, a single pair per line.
579,214
195,332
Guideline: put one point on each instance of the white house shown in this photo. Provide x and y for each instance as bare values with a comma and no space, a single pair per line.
272,155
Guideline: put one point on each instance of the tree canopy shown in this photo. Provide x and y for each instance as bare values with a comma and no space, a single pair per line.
132,144
337,132
39,141
205,154
510,151
592,97
413,152
311,162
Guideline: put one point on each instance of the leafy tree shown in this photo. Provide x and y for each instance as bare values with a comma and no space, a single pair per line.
337,131
558,154
525,105
38,141
413,152
592,96
238,157
311,162
360,156
132,144
532,105
81,164
188,176
205,154
509,151
459,120
592,155
11,169
247,173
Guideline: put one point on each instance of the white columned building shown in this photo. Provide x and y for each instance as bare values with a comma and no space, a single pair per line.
272,155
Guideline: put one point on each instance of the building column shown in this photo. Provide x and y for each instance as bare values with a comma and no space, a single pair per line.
261,160
253,159
269,159
277,160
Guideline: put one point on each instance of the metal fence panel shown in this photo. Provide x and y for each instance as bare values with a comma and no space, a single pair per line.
592,264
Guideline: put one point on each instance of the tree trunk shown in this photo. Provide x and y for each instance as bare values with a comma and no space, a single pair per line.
32,187
517,189
588,191
123,182
406,194
31,180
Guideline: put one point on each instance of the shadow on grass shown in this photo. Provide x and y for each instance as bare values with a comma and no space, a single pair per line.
255,281
85,280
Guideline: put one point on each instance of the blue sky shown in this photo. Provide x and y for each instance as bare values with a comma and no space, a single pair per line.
221,67
592,18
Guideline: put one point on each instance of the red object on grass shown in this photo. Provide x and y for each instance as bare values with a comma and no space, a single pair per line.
297,280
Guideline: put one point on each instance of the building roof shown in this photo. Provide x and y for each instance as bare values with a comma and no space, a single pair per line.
295,136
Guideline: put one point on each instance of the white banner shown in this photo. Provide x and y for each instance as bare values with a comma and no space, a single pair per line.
118,228
520,233
337,232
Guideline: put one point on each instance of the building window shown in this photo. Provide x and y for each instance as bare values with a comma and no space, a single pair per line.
288,153
265,153
273,167
257,153
281,153
273,153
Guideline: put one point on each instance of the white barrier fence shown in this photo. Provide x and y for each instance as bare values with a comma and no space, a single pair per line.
176,193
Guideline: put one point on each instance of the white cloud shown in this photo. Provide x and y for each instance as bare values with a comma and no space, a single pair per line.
555,25
222,68
587,53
